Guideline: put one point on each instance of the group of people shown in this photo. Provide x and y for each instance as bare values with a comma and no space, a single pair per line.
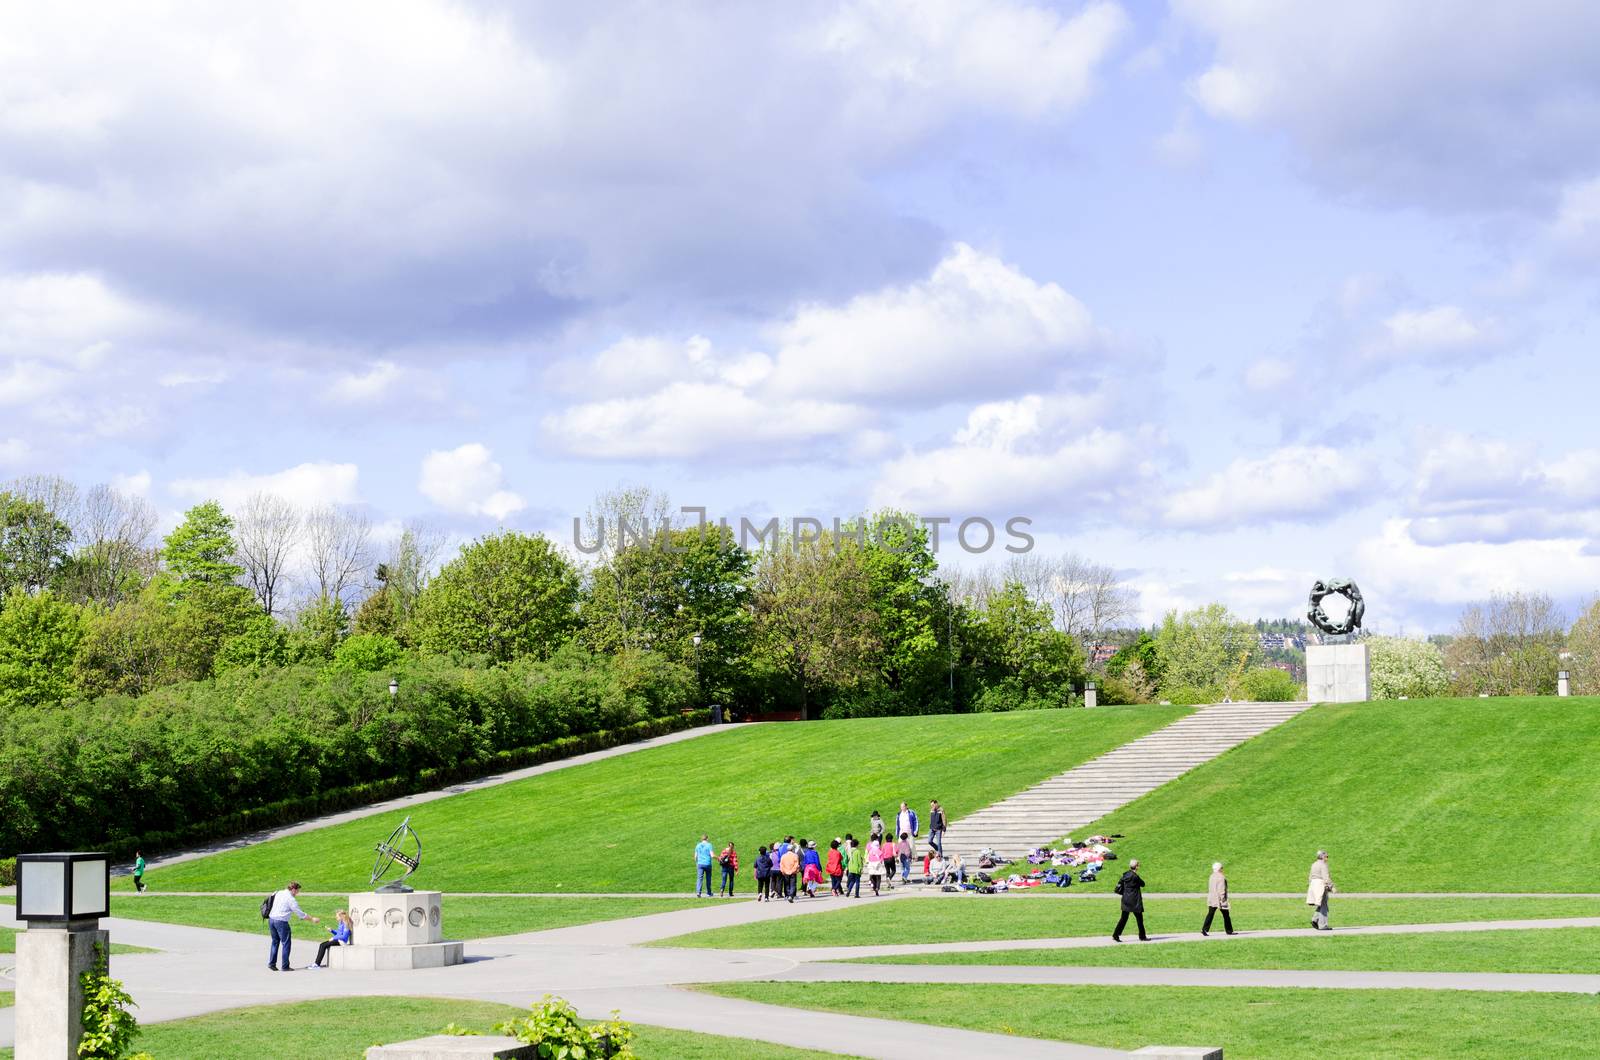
789,867
285,904
1131,887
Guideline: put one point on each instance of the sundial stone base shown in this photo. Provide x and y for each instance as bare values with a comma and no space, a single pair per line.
1338,673
396,932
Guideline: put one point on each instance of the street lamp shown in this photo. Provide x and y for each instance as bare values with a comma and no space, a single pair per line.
1563,686
1091,695
62,897
394,687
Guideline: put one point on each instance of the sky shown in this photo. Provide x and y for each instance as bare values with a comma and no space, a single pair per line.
1228,295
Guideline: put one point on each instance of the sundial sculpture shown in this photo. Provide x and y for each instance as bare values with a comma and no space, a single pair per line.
392,852
1336,587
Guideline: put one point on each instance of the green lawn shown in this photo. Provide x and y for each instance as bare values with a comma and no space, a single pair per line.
630,823
8,943
464,918
7,999
963,919
344,1027
1420,795
1283,1024
1532,950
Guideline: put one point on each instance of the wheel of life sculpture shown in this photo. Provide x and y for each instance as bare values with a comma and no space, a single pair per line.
392,852
1346,588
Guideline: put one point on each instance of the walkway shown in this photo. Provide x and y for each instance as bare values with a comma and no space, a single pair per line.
1056,807
406,802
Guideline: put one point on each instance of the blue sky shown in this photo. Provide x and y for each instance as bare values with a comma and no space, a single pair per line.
1228,295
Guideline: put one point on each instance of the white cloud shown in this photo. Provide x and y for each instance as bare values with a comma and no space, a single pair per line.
1449,105
1397,568
307,485
972,328
1477,489
1293,483
1439,333
63,317
1011,456
1461,473
14,451
135,484
373,384
469,481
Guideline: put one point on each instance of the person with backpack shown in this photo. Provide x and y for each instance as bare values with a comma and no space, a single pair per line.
763,874
702,866
729,860
874,828
875,855
936,826
138,872
276,909
1131,887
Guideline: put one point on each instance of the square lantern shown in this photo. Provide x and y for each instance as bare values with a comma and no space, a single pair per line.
58,889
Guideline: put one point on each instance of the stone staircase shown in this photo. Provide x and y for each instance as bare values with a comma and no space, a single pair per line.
1057,807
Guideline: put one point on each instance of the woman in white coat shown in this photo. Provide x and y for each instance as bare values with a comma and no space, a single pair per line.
1317,892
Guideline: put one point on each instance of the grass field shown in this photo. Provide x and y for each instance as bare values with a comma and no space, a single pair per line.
341,1029
962,919
465,917
8,943
1533,950
1283,1024
630,823
7,999
1421,795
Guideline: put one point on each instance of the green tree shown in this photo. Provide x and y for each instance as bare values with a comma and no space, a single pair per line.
505,596
911,605
815,624
33,544
262,643
319,629
1028,661
1203,653
1584,644
124,648
201,549
201,621
39,638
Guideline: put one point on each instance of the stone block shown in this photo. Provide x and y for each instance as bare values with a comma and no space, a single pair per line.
405,919
455,1047
1177,1052
48,1019
401,958
1337,673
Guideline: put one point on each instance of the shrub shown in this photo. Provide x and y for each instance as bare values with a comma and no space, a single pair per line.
553,1025
1404,667
1268,684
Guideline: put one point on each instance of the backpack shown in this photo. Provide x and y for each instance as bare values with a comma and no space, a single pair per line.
266,905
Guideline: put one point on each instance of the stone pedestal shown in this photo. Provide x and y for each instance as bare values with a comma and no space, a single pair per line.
1337,673
49,1012
454,1047
396,932
1091,697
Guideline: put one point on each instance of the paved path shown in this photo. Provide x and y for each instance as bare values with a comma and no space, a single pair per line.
1062,804
406,802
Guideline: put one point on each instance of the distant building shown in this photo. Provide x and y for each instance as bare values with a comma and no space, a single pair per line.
1102,652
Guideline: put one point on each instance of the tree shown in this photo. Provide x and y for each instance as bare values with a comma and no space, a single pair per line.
618,522
1584,644
113,559
401,577
1030,663
505,596
267,532
124,648
200,551
200,621
1086,599
39,637
815,622
1203,652
33,544
912,627
319,629
1400,666
338,541
1507,646
263,643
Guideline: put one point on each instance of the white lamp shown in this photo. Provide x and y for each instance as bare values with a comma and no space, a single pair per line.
56,889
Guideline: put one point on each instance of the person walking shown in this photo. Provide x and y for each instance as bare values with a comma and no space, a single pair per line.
874,827
729,860
763,874
936,826
1318,890
1131,887
702,866
875,864
284,905
138,872
905,851
339,935
852,868
789,867
836,868
1217,898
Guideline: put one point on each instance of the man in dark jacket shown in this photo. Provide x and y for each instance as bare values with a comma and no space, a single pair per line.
1131,887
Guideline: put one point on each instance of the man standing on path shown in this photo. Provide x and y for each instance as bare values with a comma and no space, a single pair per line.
702,864
936,826
1321,885
284,905
1131,887
138,872
1217,898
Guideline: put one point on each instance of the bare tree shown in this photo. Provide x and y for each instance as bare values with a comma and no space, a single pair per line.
628,517
970,587
265,535
1508,646
1085,599
338,541
114,556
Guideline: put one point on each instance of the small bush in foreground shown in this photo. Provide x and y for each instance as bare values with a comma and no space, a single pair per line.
553,1026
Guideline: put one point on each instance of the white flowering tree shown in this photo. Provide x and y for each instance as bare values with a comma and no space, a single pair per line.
1405,667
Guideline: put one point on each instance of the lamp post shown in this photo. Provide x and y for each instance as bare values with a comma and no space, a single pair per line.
62,897
1563,686
394,687
1091,695
699,693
